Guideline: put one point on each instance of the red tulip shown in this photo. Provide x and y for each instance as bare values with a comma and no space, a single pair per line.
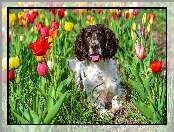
44,31
151,15
33,15
20,22
53,11
140,51
39,25
127,15
42,69
4,76
156,66
61,13
11,75
30,20
98,11
113,16
40,47
55,24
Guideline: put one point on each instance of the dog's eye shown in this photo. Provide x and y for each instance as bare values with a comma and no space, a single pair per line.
99,34
89,34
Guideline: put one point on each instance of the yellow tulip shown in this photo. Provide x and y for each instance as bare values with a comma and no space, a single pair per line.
82,11
24,22
11,22
143,20
42,16
4,63
68,26
13,62
47,22
148,28
87,22
21,15
134,37
12,18
134,26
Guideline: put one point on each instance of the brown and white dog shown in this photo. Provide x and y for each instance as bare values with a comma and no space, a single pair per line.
94,48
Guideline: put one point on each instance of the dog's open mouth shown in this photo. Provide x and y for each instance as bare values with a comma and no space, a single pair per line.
95,57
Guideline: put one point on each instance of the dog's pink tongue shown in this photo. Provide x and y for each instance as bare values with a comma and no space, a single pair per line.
94,57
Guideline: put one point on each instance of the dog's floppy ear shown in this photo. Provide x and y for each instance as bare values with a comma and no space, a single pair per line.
111,44
80,49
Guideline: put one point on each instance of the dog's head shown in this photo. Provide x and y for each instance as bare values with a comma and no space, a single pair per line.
95,42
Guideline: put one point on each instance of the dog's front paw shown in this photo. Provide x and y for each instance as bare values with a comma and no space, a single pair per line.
116,104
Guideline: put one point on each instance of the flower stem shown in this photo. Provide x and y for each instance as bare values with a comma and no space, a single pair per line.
145,70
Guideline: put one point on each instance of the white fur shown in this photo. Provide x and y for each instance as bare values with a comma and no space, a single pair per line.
104,73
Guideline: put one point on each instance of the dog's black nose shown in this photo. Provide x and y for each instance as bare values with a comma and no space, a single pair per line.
94,45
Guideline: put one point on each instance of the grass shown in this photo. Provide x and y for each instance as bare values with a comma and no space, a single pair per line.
73,110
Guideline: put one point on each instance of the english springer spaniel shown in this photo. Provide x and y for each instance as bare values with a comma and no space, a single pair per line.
94,48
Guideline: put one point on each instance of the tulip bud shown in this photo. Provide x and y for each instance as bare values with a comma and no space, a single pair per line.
143,21
151,20
148,28
46,22
134,37
140,51
89,18
18,78
142,31
42,69
134,26
42,16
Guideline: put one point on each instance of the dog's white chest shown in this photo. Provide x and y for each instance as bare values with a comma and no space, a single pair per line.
101,78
